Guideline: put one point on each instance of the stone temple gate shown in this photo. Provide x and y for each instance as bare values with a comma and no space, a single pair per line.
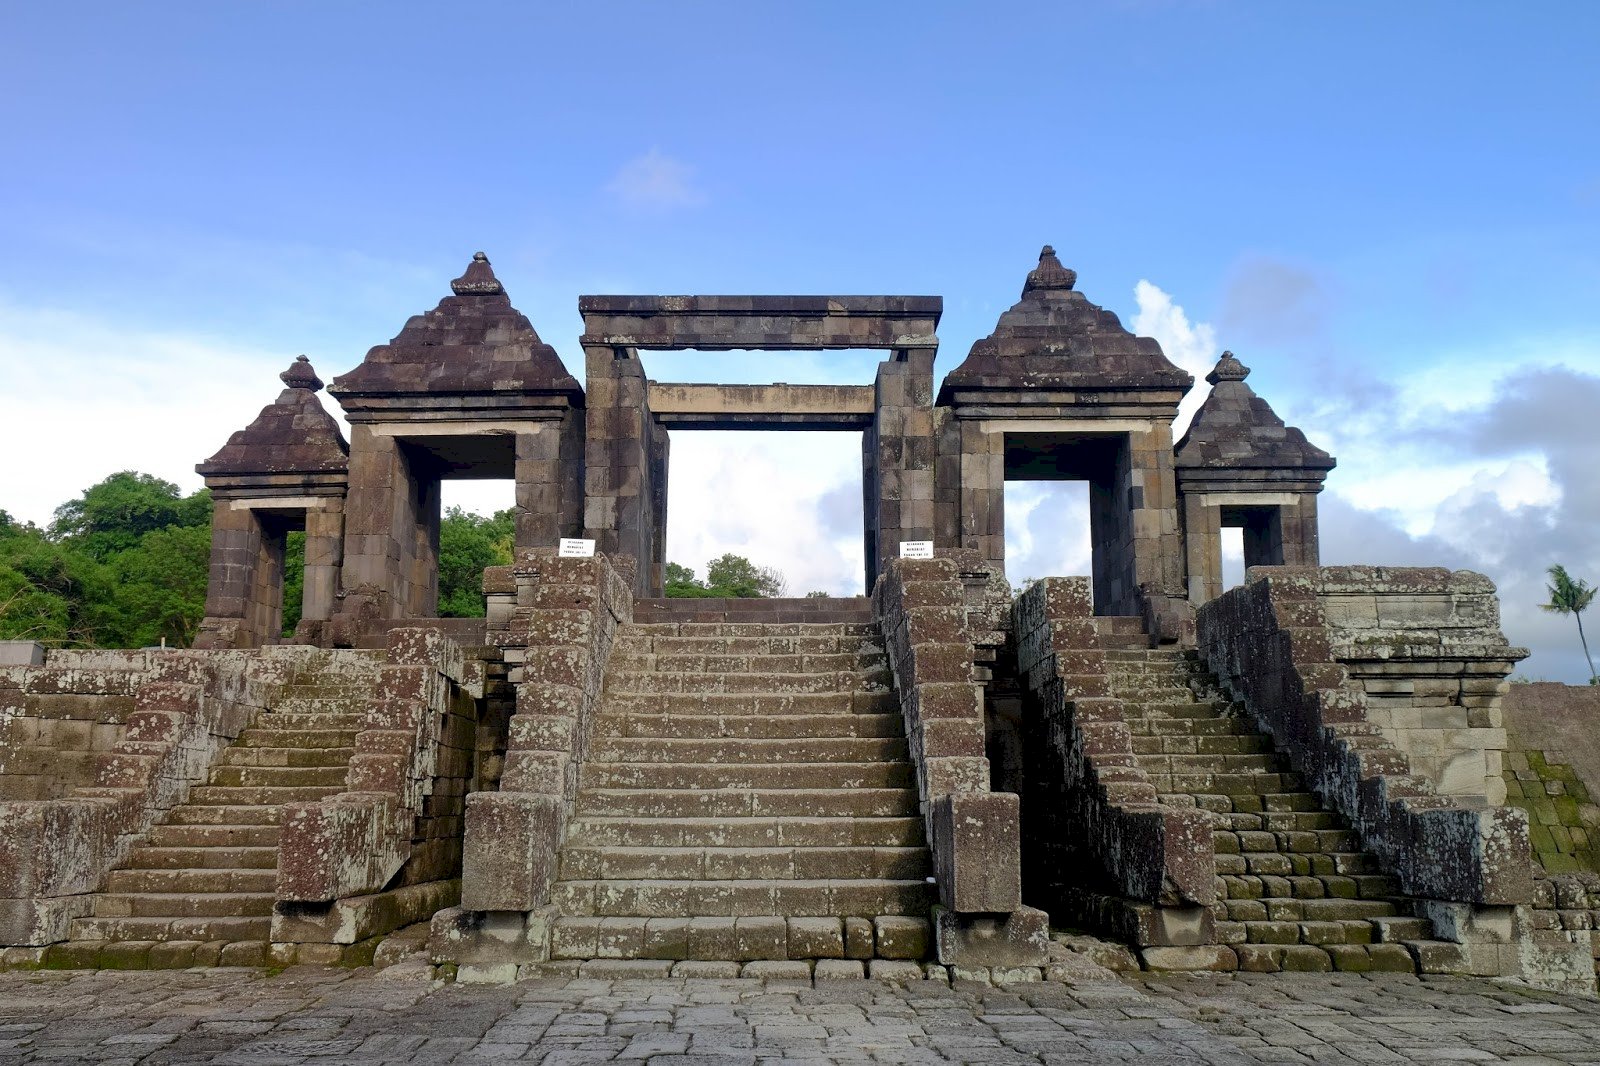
1059,391
1312,771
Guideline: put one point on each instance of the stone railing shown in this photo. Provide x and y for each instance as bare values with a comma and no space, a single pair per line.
1108,852
356,864
975,834
554,620
1271,645
176,711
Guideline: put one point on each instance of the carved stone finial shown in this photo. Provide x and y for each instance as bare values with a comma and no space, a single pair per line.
1228,369
300,375
1049,274
479,280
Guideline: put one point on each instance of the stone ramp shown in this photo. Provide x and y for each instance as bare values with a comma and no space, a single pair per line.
200,888
1296,891
748,796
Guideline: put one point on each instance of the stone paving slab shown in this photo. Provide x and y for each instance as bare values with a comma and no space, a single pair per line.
305,1016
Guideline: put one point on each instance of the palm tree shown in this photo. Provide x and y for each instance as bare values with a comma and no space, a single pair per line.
1569,595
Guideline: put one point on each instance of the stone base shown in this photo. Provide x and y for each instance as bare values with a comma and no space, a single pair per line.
969,941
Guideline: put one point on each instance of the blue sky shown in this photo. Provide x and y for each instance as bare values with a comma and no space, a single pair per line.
1390,212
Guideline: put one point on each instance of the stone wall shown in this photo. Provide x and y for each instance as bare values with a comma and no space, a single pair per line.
385,852
1271,643
556,640
975,834
1100,849
175,711
1425,646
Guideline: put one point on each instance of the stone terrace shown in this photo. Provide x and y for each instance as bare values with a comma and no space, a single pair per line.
307,1015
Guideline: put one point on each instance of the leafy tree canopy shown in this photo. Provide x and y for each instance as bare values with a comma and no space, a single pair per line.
729,577
113,515
468,543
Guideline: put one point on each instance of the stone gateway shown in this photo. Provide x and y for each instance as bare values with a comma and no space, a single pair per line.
1307,772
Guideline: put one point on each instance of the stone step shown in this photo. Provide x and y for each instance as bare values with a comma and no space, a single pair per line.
257,737
343,722
833,681
314,686
864,898
222,857
629,641
1230,744
610,863
749,703
1322,885
1189,727
748,802
689,727
319,707
1248,784
747,750
258,795
756,629
161,930
1326,909
155,882
221,815
796,775
264,755
1173,709
745,939
182,904
750,832
1213,763
1323,841
279,776
633,662
1282,864
1280,821
205,836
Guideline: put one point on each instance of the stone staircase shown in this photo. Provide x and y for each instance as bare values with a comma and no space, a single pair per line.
747,797
1295,889
200,888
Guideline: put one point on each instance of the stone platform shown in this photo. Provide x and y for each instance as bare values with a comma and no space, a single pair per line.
319,1015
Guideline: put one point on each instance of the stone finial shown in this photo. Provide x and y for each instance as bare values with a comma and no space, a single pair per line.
479,280
1049,274
300,375
1228,369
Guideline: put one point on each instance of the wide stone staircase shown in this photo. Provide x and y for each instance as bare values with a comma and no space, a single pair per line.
1295,889
747,796
199,890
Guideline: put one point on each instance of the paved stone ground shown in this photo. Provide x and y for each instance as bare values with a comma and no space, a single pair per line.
306,1016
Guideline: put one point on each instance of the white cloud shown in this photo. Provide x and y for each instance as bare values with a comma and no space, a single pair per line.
83,400
1192,345
654,181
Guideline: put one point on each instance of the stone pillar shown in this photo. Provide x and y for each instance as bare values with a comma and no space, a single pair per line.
324,556
1202,537
660,454
265,608
869,504
904,448
540,475
391,534
1157,589
1298,531
617,499
235,548
983,490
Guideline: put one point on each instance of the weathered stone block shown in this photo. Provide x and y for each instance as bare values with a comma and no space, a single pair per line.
977,843
1020,938
509,851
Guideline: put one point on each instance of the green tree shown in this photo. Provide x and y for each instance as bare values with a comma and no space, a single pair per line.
1569,595
159,588
728,577
114,514
49,592
468,543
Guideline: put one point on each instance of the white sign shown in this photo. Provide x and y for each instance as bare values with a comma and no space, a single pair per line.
572,548
916,549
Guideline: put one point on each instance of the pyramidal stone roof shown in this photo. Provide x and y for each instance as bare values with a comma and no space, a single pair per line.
473,343
1235,428
1055,338
292,435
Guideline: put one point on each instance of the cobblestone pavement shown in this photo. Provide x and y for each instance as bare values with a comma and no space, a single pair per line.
305,1016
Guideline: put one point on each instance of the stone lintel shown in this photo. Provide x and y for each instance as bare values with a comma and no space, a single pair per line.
278,487
971,404
284,503
502,407
1245,499
779,406
760,323
1091,426
460,428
